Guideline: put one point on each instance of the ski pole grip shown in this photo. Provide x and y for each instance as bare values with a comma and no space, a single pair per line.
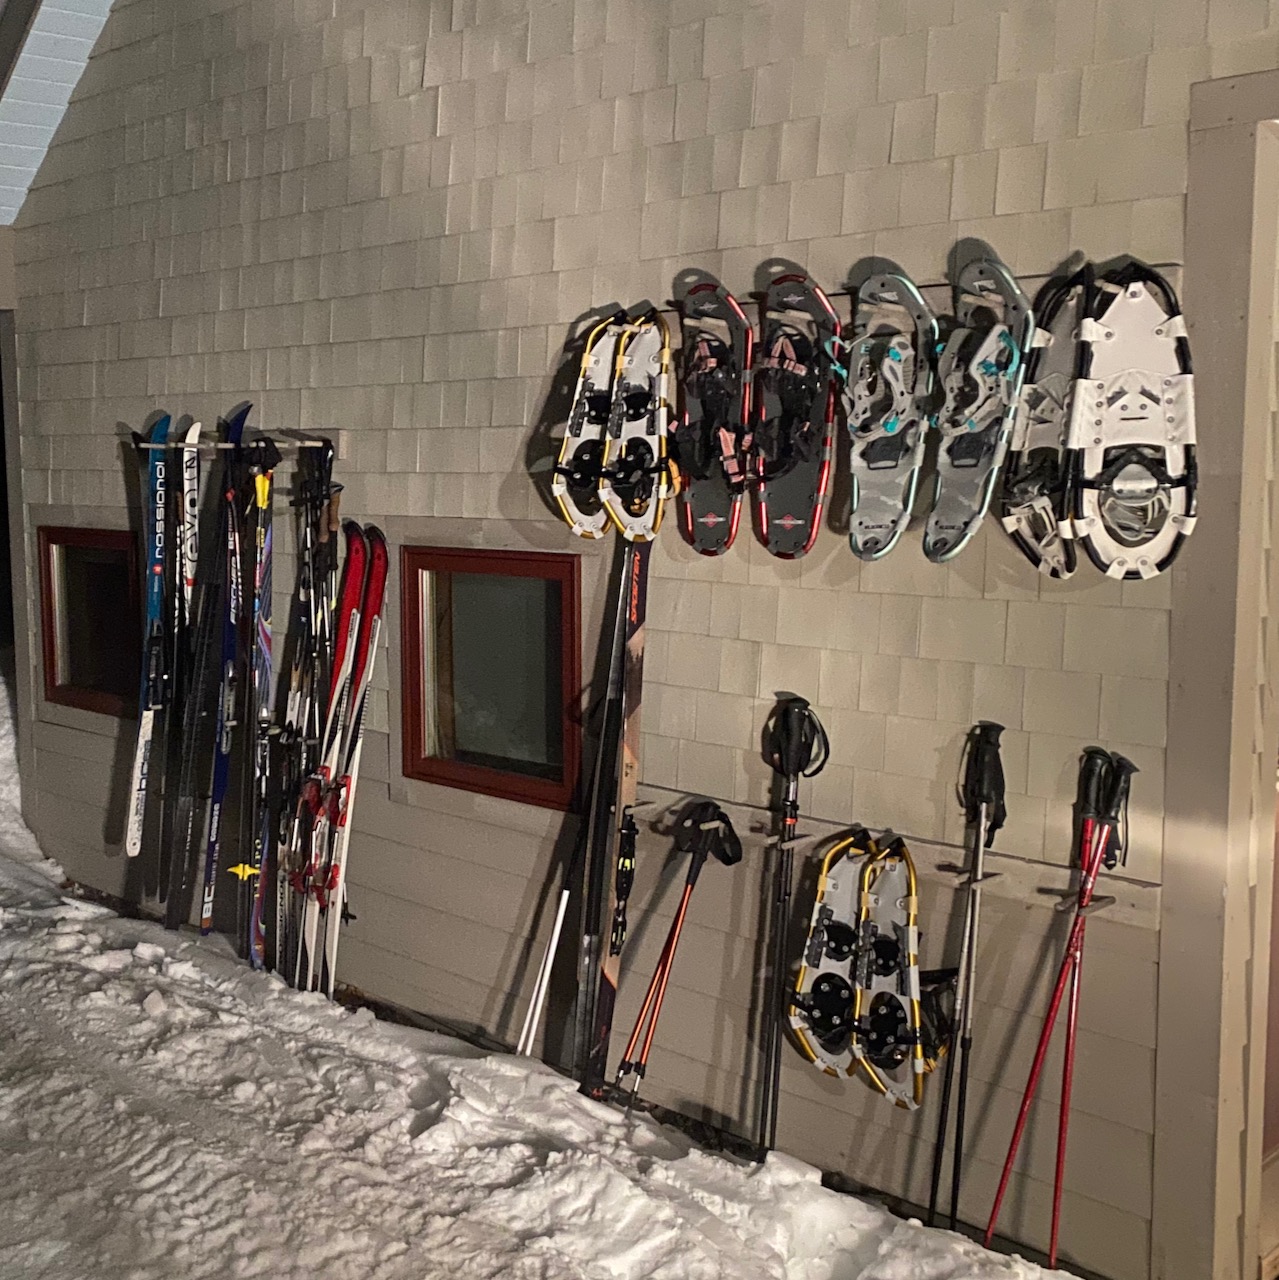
984,777
1122,770
1094,772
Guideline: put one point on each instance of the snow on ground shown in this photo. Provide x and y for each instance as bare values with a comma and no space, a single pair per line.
164,1113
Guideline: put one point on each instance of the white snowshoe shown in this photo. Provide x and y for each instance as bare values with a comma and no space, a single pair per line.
1034,502
576,479
980,368
885,399
857,997
1131,441
636,478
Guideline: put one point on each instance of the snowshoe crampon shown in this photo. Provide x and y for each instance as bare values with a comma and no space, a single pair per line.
1034,503
857,997
885,399
576,480
1131,440
636,478
711,439
793,402
980,368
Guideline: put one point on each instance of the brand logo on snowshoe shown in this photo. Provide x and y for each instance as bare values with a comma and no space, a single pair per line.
789,522
794,299
710,519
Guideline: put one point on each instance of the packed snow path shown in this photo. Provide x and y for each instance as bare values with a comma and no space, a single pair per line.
166,1113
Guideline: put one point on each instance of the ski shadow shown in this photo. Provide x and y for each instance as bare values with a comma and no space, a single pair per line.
541,449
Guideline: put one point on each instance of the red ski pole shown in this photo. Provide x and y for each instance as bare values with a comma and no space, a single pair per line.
1103,792
1116,802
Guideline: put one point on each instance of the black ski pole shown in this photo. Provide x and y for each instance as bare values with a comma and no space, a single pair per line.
795,746
982,796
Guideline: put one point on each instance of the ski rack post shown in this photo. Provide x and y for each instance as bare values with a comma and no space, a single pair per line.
982,797
1101,805
795,746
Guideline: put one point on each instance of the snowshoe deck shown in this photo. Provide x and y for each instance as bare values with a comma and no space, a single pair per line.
575,483
1131,439
710,442
980,369
636,480
857,997
1034,501
792,413
889,381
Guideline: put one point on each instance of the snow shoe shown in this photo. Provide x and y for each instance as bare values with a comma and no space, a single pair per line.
636,479
857,998
792,412
1033,505
710,442
1130,446
576,479
889,381
980,369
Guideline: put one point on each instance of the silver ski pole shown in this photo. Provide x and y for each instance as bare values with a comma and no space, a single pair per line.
533,1018
982,796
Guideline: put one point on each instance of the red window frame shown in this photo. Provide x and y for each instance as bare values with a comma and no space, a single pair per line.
549,793
49,538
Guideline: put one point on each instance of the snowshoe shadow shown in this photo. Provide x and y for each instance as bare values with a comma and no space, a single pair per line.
770,269
687,280
543,445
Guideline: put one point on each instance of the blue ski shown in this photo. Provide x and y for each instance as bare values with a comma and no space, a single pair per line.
153,692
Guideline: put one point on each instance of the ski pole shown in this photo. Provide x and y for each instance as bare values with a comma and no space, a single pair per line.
1116,804
795,746
1103,791
704,829
982,797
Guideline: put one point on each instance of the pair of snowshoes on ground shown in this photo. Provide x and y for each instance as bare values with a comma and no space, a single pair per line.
613,462
1103,450
756,416
890,401
860,1001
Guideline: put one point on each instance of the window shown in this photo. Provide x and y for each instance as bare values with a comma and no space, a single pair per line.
89,618
491,671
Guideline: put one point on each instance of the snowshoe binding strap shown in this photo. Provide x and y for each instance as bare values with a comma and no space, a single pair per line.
889,380
1131,438
980,368
789,385
983,783
1034,501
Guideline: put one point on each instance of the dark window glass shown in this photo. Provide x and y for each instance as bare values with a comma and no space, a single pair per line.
89,602
491,666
